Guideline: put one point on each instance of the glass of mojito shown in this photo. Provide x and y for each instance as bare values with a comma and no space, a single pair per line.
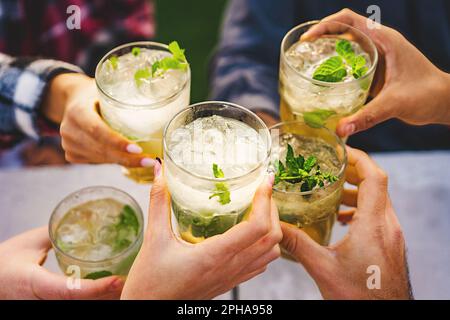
96,232
325,78
216,155
309,165
141,86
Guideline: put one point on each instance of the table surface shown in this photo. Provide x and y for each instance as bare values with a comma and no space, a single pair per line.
419,185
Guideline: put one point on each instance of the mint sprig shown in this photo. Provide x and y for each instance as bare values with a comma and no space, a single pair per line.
331,70
334,69
306,172
177,61
142,74
317,118
221,191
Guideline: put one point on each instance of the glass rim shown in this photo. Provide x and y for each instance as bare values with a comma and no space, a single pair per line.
230,104
154,105
324,83
343,164
92,262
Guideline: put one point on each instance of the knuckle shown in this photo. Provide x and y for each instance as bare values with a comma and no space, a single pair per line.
290,244
158,191
276,252
261,229
382,177
398,236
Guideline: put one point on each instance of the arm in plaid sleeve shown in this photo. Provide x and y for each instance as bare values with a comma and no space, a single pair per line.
23,82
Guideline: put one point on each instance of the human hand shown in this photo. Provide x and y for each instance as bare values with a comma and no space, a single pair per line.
169,268
86,138
374,238
407,85
22,275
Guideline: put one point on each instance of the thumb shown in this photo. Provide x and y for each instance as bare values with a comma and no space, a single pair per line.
301,247
376,111
159,212
51,286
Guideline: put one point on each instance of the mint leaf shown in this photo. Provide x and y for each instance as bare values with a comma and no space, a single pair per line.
218,173
114,62
345,50
141,74
127,218
221,191
359,68
127,228
136,51
98,274
310,163
177,52
298,170
331,70
176,62
317,118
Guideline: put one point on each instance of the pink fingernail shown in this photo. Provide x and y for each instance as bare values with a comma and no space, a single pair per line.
271,179
147,162
134,148
350,129
157,169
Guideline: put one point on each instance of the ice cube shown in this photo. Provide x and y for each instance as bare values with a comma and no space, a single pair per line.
163,86
73,234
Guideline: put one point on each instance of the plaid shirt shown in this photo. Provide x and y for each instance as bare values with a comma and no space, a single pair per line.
38,28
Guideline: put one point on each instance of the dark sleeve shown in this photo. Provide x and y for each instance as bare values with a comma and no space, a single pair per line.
244,68
23,82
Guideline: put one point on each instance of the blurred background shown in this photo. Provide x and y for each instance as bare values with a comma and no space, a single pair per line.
195,25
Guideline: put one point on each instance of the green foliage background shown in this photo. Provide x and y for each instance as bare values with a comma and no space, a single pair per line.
195,24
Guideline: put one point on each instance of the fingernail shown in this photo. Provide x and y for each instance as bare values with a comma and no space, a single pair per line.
147,162
349,129
159,160
271,179
157,170
134,148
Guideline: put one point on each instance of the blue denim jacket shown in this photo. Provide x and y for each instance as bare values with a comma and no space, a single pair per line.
245,66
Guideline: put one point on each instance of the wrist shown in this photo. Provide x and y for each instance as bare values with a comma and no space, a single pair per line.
58,94
444,104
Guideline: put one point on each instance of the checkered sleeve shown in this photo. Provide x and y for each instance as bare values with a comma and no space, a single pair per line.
23,82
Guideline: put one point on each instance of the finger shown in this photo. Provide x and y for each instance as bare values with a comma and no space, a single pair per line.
47,285
351,175
250,275
159,212
372,186
346,216
344,16
302,248
85,149
350,197
265,259
129,160
247,233
262,246
93,124
380,109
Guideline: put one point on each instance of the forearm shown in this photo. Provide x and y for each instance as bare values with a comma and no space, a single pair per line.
24,83
443,104
57,94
